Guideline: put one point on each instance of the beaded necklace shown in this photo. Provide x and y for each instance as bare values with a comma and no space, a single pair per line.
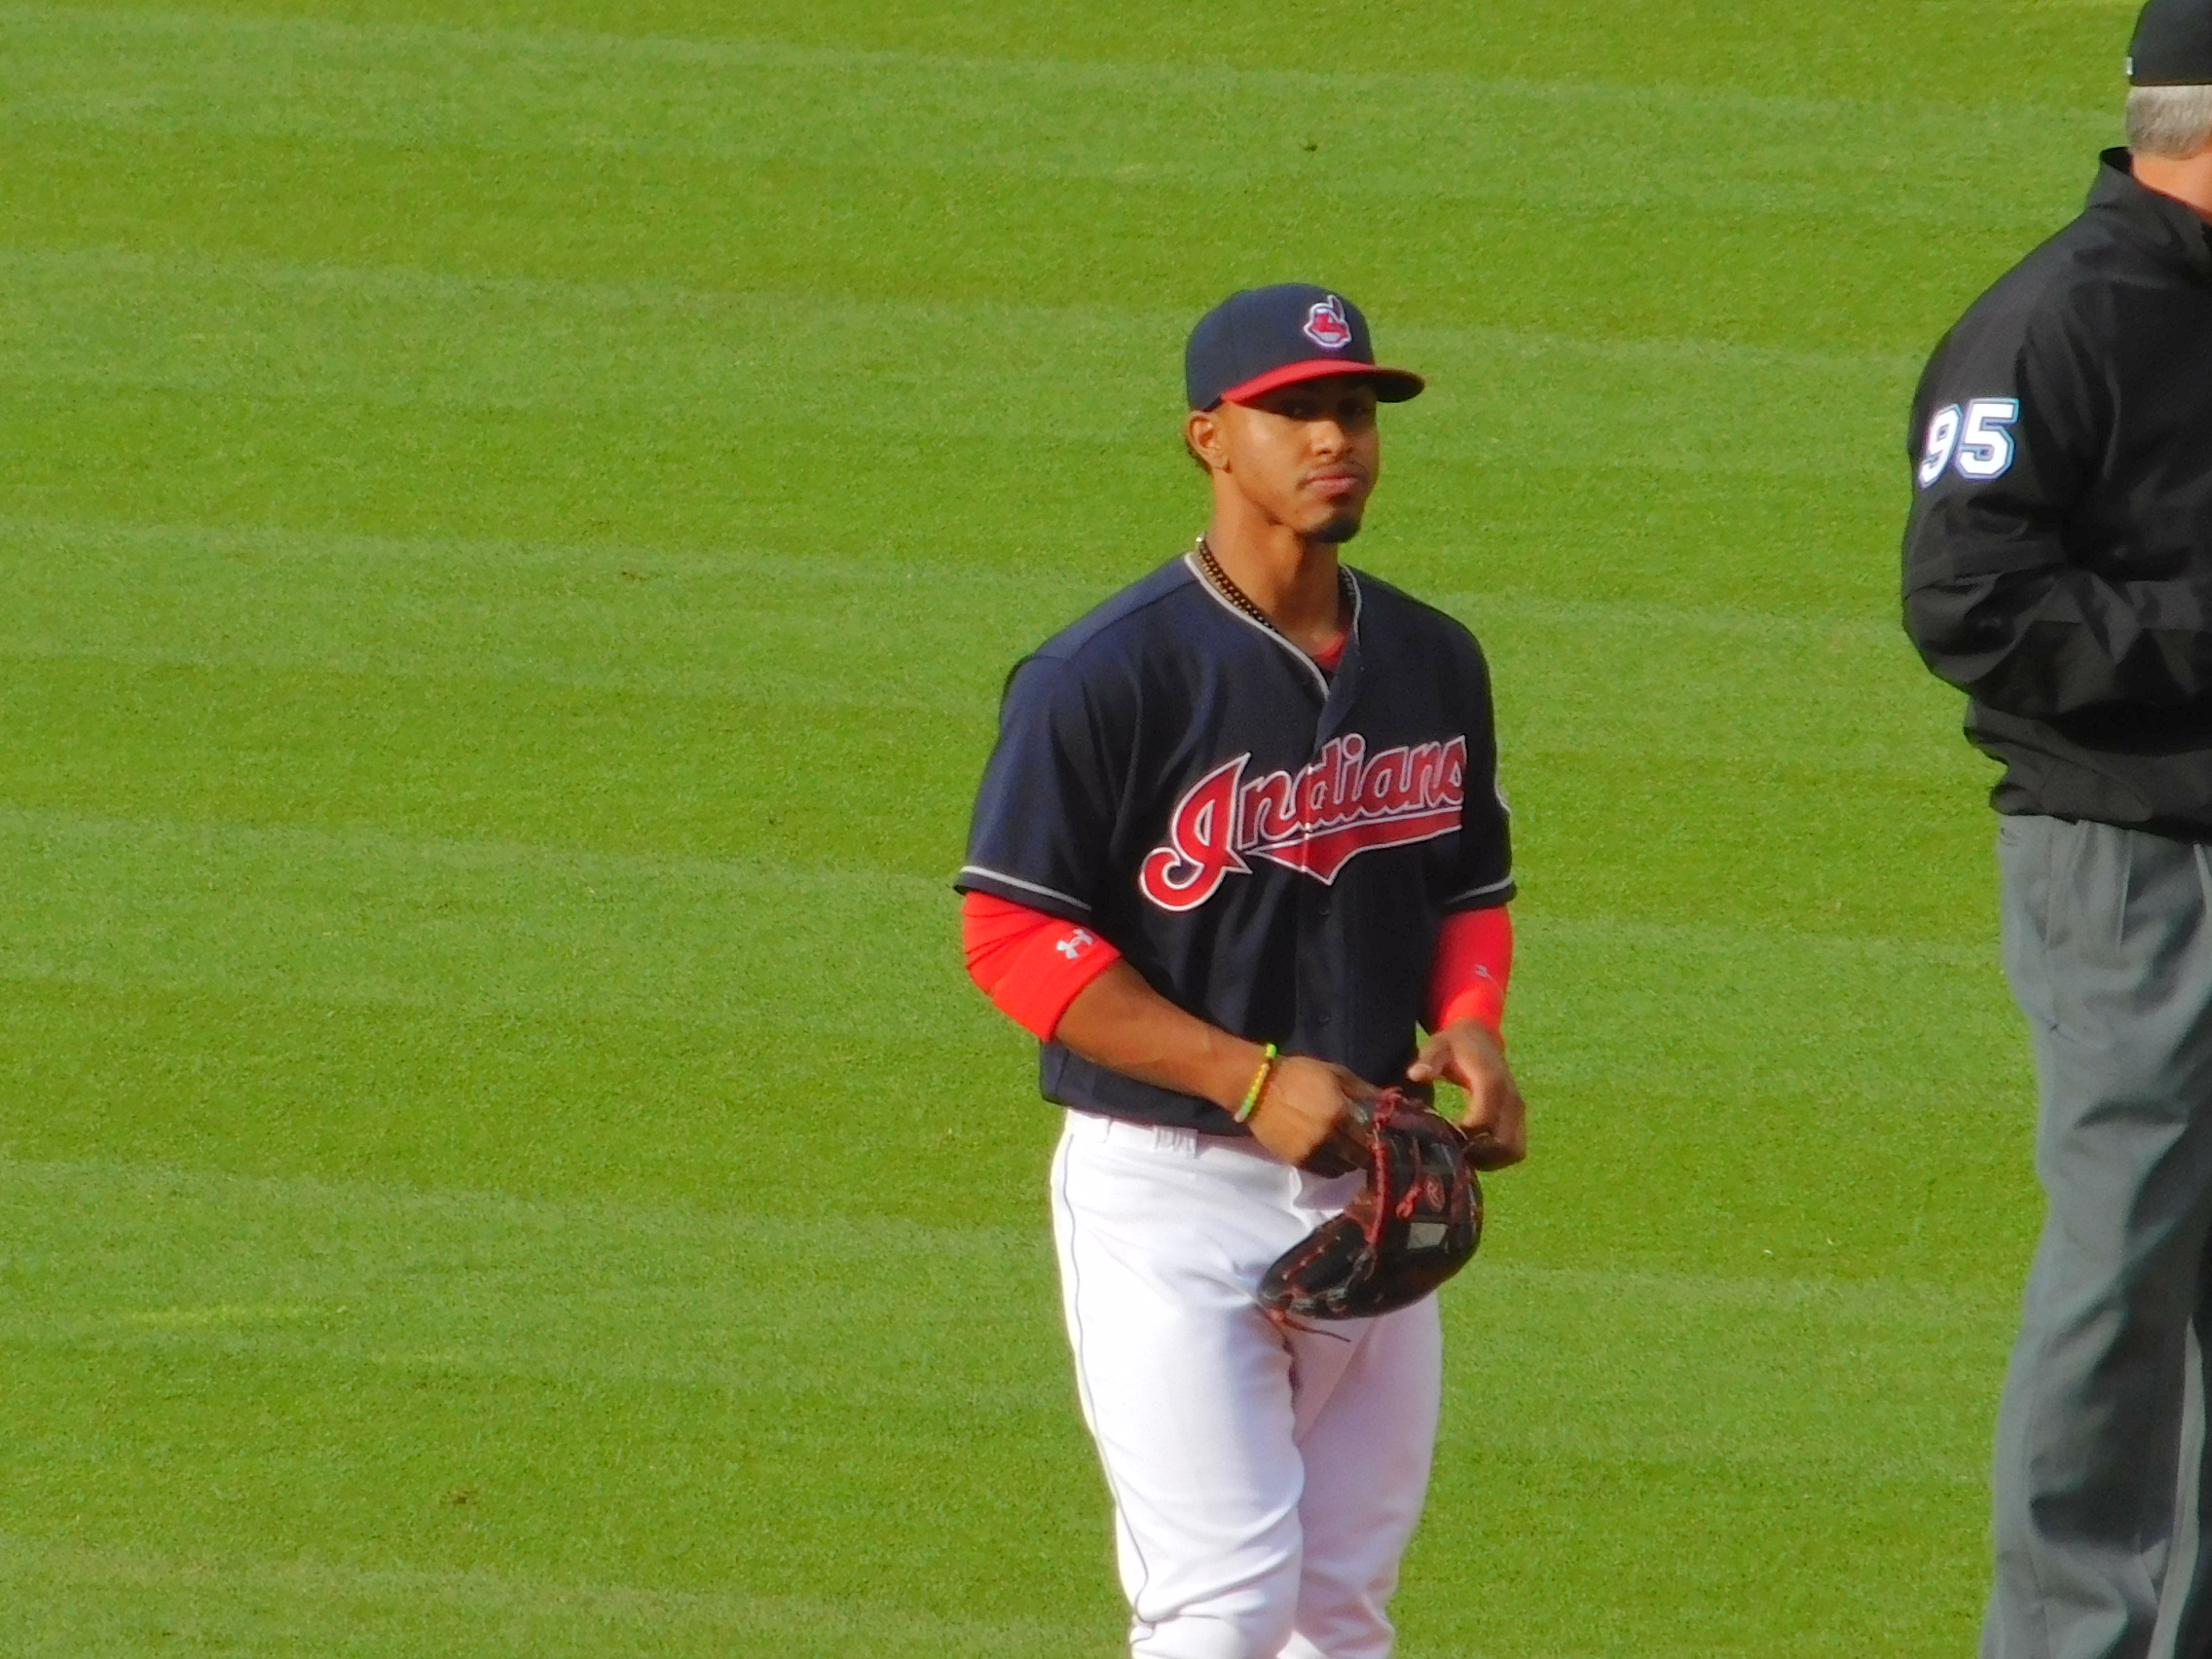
1242,600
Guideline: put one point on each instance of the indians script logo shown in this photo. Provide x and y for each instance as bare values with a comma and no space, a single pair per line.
1327,326
1316,820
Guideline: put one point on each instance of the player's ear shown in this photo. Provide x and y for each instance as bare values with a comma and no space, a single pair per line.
1203,437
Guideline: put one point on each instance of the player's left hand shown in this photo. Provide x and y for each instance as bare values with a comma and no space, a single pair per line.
1467,1053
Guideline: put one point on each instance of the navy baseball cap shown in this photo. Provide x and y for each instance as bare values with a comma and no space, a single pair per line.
1261,338
2172,45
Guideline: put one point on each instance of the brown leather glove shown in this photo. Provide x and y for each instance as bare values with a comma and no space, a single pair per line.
1414,1225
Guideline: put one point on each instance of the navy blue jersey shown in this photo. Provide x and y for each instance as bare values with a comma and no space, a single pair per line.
1273,848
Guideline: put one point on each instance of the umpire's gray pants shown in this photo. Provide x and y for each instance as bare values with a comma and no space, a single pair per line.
2107,943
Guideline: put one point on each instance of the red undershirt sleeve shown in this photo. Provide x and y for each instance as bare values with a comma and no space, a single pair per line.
1031,965
1474,960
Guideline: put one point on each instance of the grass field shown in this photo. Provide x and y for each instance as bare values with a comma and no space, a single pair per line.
514,517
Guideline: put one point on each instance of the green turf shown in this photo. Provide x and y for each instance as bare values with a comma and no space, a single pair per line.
513,520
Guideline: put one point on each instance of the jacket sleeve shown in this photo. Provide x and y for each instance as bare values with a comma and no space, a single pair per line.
2009,434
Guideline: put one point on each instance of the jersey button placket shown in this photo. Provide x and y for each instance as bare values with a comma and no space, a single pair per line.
1315,902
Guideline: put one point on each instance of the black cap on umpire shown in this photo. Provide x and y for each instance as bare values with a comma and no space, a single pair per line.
1261,338
2172,45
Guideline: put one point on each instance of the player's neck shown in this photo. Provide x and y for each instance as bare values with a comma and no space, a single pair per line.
1292,578
2187,181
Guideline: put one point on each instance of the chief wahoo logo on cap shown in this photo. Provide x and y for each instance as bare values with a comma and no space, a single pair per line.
1327,326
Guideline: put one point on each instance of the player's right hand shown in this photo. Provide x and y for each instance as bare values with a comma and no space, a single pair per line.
1314,1115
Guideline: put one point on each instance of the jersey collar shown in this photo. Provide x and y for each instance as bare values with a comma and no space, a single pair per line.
1346,666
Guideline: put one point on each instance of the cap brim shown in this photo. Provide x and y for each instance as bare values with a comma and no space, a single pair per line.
1391,385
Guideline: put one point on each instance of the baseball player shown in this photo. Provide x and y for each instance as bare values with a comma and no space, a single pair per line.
2058,570
1239,835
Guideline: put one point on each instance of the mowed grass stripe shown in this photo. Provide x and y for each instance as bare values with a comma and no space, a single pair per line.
114,1603
129,1263
1463,499
370,916
284,338
838,221
674,1109
770,710
753,704
606,770
1438,137
814,650
659,1478
666,1349
515,1006
214,857
1691,1110
153,896
1957,56
494,415
775,633
745,622
166,1258
228,560
913,322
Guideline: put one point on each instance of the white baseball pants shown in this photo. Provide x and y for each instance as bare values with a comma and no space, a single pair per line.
1265,1482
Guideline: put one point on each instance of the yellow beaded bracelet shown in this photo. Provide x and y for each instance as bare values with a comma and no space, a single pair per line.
1259,1085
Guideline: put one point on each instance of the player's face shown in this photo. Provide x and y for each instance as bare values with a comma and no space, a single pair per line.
1308,455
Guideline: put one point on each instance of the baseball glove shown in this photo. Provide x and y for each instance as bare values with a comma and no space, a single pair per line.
1413,1226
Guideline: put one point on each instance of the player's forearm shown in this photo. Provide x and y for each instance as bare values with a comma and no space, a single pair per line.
1471,968
1119,1021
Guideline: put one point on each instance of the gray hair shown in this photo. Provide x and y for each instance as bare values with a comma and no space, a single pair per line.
2173,121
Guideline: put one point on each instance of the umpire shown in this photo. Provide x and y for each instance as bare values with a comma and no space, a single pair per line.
2058,570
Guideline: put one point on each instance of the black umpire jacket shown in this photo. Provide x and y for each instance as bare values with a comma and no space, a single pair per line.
2058,558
